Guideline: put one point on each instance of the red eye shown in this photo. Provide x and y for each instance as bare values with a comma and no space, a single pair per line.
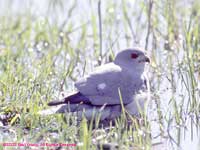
133,55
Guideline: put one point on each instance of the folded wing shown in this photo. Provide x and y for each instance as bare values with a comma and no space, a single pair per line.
103,86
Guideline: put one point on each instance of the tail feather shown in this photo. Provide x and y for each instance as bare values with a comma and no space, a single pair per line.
56,102
72,99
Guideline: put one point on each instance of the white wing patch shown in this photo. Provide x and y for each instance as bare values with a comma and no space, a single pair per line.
101,86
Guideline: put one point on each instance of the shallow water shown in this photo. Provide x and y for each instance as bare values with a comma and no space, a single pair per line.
168,87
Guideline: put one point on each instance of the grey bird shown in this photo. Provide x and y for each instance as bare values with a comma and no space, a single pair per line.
103,92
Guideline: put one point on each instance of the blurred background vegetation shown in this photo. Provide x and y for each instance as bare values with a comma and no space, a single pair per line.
47,45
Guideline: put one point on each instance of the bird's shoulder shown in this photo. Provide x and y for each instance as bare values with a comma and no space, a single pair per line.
103,76
102,72
107,68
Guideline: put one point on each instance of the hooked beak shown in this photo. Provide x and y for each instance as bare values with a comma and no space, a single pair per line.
145,59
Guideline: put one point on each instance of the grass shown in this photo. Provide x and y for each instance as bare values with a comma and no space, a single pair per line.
41,56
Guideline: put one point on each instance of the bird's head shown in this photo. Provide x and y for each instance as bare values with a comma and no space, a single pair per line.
133,59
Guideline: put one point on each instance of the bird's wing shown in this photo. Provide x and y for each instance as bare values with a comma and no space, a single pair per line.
103,86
